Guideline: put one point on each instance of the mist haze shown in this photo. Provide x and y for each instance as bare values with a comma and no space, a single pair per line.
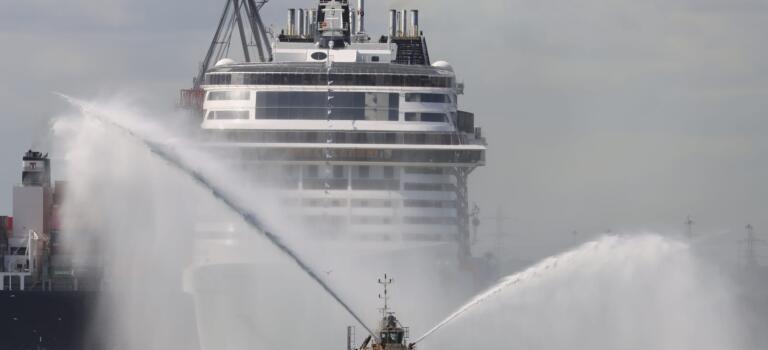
600,114
602,118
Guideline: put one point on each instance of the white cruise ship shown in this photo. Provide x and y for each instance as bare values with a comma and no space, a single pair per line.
363,136
367,133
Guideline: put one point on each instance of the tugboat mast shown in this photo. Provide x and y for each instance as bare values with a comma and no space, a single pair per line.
385,282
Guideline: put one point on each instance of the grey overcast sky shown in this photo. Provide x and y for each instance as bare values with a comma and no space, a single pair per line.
600,114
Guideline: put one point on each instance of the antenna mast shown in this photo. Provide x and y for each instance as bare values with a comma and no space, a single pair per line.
385,282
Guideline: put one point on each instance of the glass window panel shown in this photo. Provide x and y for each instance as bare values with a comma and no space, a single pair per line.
433,117
363,172
318,78
228,115
229,95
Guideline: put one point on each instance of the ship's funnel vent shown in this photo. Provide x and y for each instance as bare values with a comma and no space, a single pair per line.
404,23
312,22
291,30
414,25
392,23
360,16
300,21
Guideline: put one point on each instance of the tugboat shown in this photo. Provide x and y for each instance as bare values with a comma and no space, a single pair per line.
391,334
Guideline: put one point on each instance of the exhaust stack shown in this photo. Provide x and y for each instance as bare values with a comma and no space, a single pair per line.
312,23
404,23
414,23
361,16
300,21
392,23
291,22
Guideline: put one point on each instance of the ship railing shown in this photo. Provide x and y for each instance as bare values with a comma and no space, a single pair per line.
21,278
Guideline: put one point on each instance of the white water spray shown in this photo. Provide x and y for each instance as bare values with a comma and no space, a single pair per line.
508,282
629,292
252,219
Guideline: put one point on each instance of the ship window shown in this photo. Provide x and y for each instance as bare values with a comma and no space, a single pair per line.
229,95
374,58
342,79
338,171
392,337
420,203
427,187
372,203
356,155
389,172
363,172
424,170
371,220
426,117
312,171
219,79
429,220
428,98
316,105
227,115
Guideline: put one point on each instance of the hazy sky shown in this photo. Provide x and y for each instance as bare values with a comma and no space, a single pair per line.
600,114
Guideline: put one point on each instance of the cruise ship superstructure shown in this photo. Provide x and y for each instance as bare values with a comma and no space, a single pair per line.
364,135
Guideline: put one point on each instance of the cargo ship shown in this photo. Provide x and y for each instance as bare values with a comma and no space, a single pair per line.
44,304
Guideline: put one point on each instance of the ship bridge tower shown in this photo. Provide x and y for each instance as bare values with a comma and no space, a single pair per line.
25,263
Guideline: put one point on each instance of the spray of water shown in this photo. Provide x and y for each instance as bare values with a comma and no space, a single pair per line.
646,291
171,156
507,282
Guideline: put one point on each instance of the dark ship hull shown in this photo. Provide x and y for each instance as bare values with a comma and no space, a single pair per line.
48,320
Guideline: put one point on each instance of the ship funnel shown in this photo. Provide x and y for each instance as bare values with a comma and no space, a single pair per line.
361,16
303,19
414,31
404,23
300,22
312,21
291,22
392,23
